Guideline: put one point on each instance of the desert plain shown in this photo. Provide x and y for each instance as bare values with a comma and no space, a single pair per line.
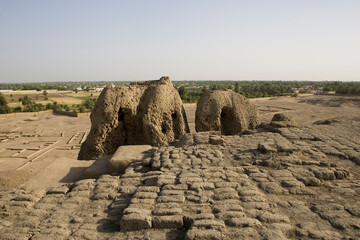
293,183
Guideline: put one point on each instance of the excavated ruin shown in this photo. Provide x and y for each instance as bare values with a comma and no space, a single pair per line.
278,181
282,120
225,111
287,183
148,113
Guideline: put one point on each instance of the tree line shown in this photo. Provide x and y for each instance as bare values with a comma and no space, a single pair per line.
60,86
29,105
190,91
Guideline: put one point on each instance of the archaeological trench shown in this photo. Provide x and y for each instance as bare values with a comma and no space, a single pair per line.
235,178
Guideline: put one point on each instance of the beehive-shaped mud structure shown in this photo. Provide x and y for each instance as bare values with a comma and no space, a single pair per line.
142,113
225,111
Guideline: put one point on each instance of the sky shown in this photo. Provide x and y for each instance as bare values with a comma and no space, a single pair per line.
127,40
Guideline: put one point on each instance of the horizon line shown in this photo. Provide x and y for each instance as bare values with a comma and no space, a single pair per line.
183,80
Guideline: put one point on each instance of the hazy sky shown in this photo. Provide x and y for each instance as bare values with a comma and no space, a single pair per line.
84,40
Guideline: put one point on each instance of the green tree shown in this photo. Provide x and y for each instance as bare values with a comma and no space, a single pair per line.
81,108
214,87
204,89
45,93
17,109
66,108
26,101
327,89
56,106
3,101
4,108
48,106
89,103
237,87
182,92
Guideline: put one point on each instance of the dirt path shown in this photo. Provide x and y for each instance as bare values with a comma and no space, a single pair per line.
190,109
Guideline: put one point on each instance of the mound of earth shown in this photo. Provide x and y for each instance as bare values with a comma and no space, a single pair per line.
225,111
306,186
149,113
283,120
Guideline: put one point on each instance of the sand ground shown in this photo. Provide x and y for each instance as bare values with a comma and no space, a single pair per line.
308,109
40,149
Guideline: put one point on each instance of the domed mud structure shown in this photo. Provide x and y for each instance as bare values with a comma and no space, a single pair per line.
225,111
143,113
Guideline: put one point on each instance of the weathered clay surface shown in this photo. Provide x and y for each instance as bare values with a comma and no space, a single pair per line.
119,161
98,168
225,111
125,155
303,184
144,113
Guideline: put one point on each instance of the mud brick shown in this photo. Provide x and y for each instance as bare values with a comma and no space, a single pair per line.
171,198
133,222
133,210
201,234
202,186
208,224
171,192
58,190
148,189
145,195
175,187
242,222
272,218
167,211
142,201
174,221
230,214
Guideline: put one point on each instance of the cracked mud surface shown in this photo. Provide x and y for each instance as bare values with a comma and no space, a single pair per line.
287,183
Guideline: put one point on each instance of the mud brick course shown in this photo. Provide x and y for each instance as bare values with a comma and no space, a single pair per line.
287,183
